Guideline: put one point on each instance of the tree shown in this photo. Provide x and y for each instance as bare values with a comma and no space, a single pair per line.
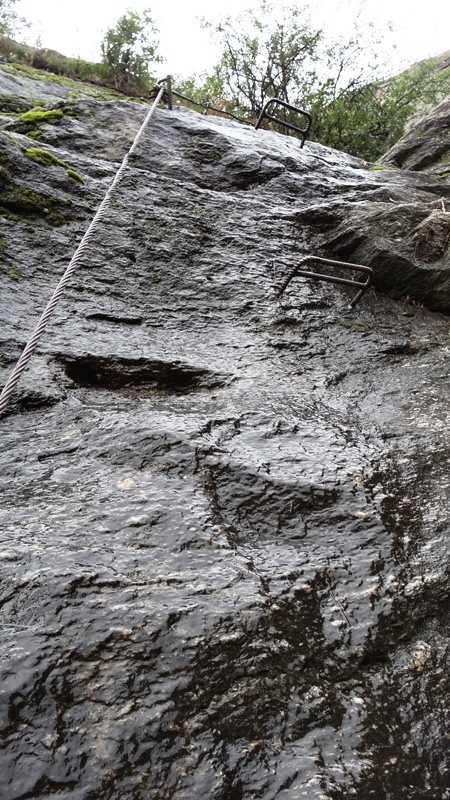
9,19
208,91
341,82
367,119
265,55
129,48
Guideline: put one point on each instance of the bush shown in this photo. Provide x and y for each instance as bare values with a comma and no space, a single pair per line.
129,48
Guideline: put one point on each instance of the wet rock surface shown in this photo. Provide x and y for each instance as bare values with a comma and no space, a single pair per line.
406,244
224,514
426,147
20,82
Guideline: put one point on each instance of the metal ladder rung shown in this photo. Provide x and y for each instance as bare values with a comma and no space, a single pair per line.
302,131
320,276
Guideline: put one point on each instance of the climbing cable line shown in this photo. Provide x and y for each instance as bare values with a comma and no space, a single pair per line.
101,212
165,93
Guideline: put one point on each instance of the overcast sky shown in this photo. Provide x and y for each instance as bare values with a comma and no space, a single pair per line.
76,28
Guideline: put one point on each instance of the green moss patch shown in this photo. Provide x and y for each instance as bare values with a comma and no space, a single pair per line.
5,176
40,114
29,122
79,88
7,267
55,220
20,199
10,270
74,176
13,104
43,157
19,204
378,167
46,158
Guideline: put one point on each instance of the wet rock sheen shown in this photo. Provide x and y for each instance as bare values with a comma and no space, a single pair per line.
224,549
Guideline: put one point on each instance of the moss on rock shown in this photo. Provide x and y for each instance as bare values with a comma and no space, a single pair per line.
76,88
13,104
19,204
44,157
55,220
40,114
19,198
5,176
29,122
10,270
384,167
74,176
47,159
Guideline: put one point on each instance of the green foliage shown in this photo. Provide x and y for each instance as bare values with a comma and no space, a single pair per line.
58,64
367,120
265,54
9,19
52,67
406,95
352,122
354,107
209,91
204,89
129,48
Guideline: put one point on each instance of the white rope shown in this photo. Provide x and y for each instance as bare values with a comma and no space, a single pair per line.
79,252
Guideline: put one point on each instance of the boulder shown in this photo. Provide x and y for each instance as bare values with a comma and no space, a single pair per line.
224,512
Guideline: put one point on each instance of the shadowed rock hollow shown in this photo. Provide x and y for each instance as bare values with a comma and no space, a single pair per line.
224,515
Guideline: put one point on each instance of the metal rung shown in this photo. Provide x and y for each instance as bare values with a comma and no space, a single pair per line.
302,131
168,94
319,276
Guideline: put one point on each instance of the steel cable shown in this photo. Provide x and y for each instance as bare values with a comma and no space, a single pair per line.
101,212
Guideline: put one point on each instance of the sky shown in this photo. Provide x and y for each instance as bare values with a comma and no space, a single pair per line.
76,28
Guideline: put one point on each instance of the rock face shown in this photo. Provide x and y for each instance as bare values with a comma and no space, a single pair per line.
224,514
407,239
426,147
